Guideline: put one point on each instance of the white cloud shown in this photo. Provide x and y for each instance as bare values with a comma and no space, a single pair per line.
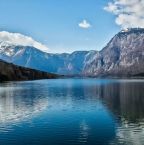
129,13
19,39
84,24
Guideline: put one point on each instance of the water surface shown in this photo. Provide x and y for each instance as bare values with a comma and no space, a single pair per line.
72,112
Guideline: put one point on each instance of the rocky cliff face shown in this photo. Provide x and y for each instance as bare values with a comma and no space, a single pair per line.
123,56
10,72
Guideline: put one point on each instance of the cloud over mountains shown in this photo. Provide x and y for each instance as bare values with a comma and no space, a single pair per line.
84,24
129,13
19,39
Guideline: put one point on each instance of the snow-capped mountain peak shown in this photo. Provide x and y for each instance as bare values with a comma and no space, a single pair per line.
15,39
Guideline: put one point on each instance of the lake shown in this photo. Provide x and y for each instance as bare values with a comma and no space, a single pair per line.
72,112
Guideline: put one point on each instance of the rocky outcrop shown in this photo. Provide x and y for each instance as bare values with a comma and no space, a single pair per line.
123,56
10,72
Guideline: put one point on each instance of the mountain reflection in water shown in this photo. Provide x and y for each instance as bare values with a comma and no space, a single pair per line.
72,111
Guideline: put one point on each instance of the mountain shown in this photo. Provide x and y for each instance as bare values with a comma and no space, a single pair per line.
32,57
123,56
10,72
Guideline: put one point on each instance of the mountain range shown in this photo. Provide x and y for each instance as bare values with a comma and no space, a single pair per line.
122,56
32,57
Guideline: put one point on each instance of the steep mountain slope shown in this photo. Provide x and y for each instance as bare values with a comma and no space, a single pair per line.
123,56
10,72
32,57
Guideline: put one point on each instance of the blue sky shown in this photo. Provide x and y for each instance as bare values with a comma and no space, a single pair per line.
56,22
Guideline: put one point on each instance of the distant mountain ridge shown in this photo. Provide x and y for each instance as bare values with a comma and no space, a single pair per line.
33,58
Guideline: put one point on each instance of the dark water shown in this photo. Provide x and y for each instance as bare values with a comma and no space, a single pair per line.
72,112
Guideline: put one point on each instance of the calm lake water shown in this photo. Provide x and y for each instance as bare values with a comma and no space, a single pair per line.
72,112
